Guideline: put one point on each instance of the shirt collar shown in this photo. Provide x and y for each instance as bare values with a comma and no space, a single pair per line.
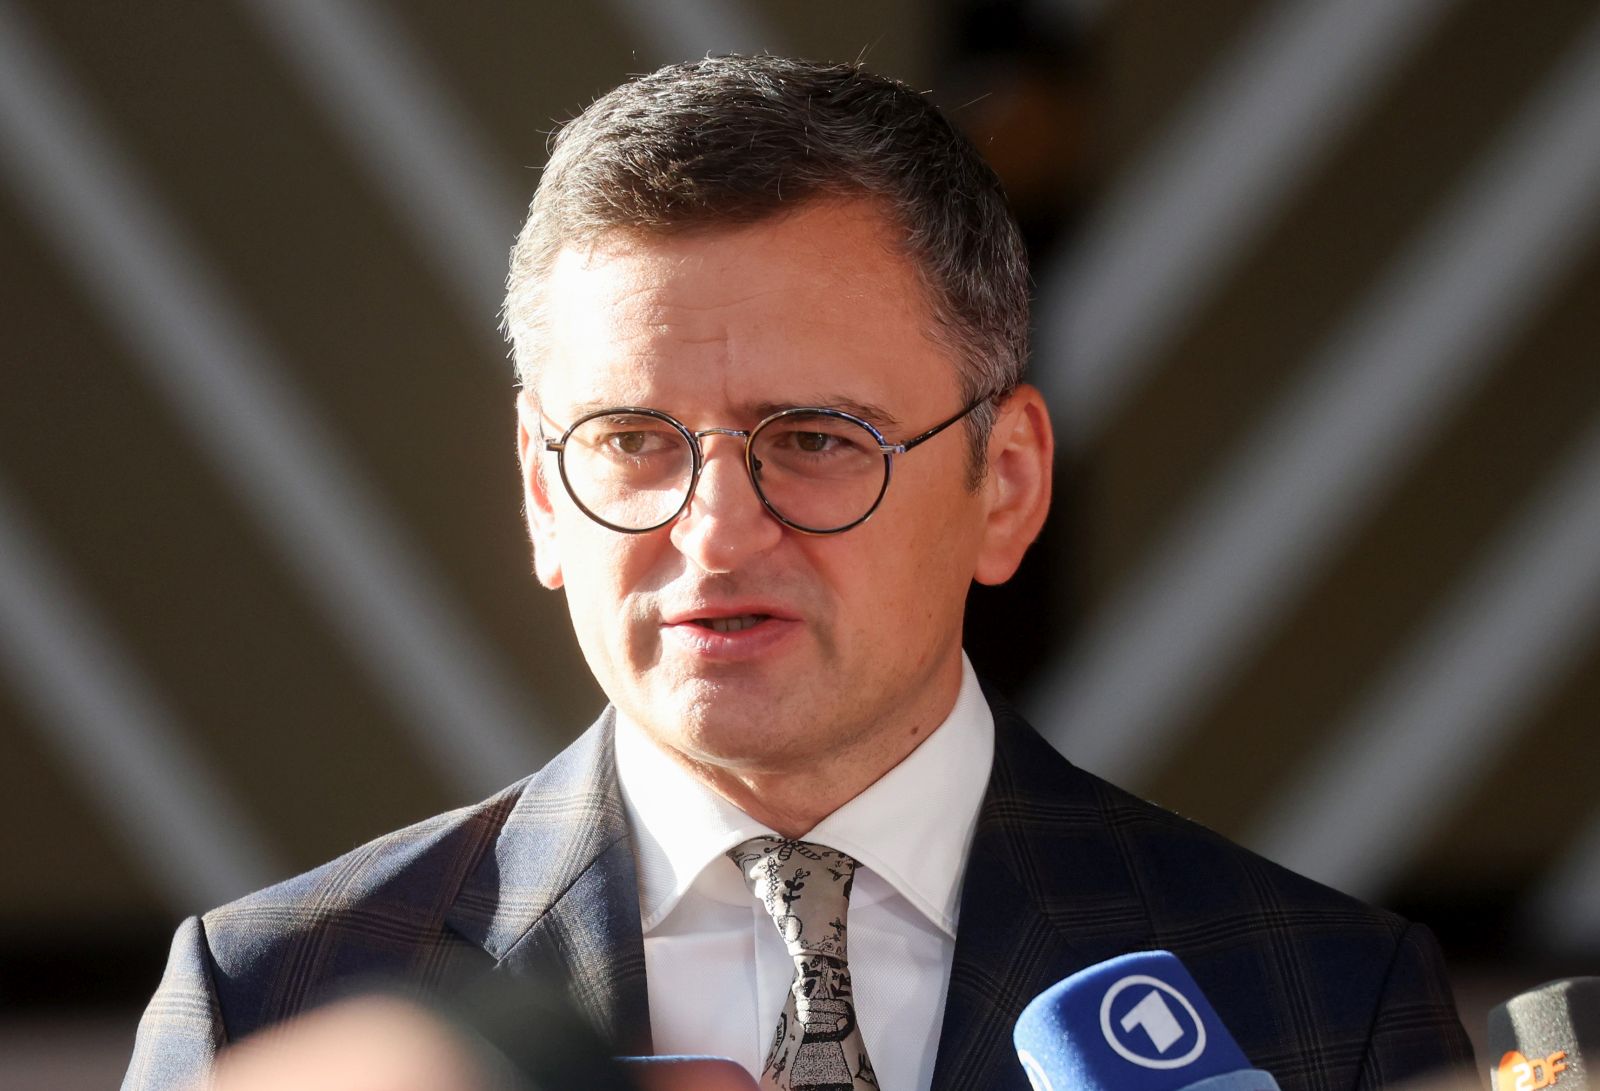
912,827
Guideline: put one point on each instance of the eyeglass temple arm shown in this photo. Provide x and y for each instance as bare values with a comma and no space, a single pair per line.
902,448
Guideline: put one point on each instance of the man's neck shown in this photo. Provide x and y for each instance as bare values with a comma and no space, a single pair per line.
790,804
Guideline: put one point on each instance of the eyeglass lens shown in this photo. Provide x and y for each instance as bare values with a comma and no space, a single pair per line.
815,470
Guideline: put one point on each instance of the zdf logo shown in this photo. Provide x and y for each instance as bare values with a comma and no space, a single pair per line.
1518,1073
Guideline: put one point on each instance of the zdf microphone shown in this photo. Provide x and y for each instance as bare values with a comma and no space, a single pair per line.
1133,1023
1547,1037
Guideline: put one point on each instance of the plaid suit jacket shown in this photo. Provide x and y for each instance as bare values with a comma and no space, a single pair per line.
1065,871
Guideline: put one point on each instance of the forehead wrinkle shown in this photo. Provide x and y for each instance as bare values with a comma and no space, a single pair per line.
683,299
653,284
644,318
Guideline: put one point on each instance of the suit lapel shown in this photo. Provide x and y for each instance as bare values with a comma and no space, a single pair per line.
590,937
1046,893
555,896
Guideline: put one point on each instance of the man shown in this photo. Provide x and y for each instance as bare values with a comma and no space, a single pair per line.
770,320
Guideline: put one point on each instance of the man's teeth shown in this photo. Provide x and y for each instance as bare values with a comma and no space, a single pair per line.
731,624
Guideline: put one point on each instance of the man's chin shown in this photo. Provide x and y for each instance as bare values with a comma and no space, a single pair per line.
735,732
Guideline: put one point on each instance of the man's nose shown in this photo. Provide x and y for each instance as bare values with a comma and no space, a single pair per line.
725,524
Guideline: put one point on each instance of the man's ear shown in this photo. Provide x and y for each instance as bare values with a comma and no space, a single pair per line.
1017,487
536,495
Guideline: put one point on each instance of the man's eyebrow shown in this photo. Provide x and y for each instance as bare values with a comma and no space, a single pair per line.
867,411
594,405
872,413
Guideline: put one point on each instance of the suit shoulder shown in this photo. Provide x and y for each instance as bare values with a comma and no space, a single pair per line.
1320,988
391,892
410,909
1163,843
1180,868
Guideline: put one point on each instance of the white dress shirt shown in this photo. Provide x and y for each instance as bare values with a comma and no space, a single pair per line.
717,970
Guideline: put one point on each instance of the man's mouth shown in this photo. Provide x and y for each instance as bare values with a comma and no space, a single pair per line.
731,624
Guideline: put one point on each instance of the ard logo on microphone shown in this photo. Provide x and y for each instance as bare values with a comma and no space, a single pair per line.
1519,1073
1152,1024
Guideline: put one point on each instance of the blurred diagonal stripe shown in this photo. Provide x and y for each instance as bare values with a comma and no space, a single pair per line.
1227,164
1369,401
1562,912
682,30
418,146
1445,710
115,735
201,353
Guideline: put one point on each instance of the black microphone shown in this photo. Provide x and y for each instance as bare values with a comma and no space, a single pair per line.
1133,1023
1547,1037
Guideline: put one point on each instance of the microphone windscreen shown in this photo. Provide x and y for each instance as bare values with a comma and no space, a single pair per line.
1547,1037
1133,1023
687,1074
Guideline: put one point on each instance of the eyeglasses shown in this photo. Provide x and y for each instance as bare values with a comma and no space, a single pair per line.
818,471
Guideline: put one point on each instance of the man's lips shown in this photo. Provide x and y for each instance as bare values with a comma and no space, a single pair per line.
735,631
732,624
724,619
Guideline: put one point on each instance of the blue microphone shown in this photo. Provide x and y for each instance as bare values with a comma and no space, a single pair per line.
1133,1023
687,1074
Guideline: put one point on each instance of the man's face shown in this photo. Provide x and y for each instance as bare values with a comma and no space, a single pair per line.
853,640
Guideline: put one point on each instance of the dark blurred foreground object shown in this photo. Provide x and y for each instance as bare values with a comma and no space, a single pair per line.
495,1035
365,1044
1547,1037
530,1035
499,1035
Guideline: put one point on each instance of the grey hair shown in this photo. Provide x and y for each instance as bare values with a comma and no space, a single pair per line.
732,140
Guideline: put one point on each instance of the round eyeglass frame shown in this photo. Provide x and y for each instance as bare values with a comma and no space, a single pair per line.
748,435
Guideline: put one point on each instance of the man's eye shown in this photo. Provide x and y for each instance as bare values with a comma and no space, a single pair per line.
630,443
628,438
813,441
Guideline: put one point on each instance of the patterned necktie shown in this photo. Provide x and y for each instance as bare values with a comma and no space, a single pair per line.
806,888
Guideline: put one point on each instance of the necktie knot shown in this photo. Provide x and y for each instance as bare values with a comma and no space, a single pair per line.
805,888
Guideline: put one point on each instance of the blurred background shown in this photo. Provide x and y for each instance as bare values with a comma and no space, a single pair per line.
1318,300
